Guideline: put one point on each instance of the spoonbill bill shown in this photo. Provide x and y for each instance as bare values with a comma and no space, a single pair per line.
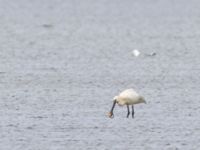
127,97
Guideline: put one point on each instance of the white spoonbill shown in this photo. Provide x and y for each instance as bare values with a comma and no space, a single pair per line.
127,97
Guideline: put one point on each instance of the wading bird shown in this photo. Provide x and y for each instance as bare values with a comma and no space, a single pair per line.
127,97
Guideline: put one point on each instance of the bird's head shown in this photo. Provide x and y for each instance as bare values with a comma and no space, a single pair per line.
115,98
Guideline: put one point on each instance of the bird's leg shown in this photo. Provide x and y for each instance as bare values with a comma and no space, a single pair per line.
128,111
133,111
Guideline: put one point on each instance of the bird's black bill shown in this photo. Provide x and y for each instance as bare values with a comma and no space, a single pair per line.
111,115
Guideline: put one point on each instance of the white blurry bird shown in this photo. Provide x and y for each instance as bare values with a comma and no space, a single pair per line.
136,52
127,97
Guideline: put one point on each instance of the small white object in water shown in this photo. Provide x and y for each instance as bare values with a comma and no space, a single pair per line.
136,53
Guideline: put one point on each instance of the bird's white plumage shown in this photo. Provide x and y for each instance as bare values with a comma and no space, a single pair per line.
129,97
129,93
136,52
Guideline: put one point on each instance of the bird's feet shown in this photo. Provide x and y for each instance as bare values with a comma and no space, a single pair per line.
133,116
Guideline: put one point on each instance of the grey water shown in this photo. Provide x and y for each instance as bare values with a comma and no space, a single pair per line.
62,62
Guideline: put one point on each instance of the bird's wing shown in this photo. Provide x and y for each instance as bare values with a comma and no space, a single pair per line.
129,93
